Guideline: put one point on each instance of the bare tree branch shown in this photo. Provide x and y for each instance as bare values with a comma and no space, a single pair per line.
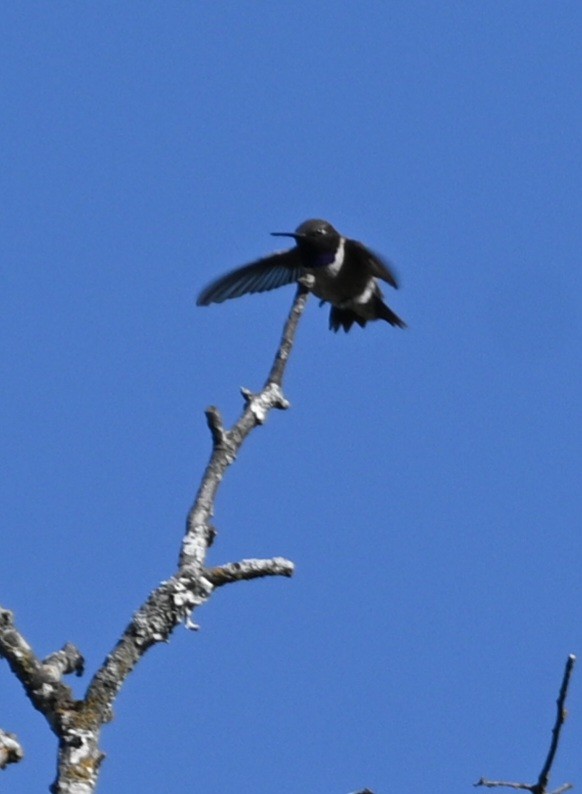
541,786
78,724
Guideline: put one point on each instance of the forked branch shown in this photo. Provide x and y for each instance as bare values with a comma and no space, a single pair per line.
541,785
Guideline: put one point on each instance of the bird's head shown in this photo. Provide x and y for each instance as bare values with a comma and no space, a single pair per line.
314,233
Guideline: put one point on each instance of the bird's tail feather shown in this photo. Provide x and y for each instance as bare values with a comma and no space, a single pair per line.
344,318
385,313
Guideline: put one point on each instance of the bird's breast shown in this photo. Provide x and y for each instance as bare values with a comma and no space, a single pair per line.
341,280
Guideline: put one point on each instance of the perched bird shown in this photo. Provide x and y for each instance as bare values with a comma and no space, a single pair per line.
338,270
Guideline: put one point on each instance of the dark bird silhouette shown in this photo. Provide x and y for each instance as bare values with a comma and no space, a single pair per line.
338,270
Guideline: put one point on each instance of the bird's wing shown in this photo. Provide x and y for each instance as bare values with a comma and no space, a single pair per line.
264,274
377,266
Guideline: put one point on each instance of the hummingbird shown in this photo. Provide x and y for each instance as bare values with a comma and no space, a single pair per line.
337,269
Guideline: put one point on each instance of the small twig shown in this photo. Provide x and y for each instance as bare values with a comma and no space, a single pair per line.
560,720
249,569
560,789
533,787
541,786
502,783
64,662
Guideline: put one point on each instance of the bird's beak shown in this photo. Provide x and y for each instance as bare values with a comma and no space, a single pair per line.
294,235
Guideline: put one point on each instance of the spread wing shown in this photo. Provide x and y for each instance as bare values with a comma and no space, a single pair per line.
376,265
264,274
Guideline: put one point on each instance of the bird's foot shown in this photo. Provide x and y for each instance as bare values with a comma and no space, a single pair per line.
308,280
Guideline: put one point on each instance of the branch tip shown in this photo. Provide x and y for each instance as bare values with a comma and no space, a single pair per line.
247,394
245,570
11,751
64,662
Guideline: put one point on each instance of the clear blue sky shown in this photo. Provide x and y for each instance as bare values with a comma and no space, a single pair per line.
426,482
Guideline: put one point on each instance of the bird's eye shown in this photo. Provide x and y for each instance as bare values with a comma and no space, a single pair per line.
320,230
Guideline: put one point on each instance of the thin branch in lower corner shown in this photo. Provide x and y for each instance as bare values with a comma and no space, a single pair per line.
541,785
560,720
